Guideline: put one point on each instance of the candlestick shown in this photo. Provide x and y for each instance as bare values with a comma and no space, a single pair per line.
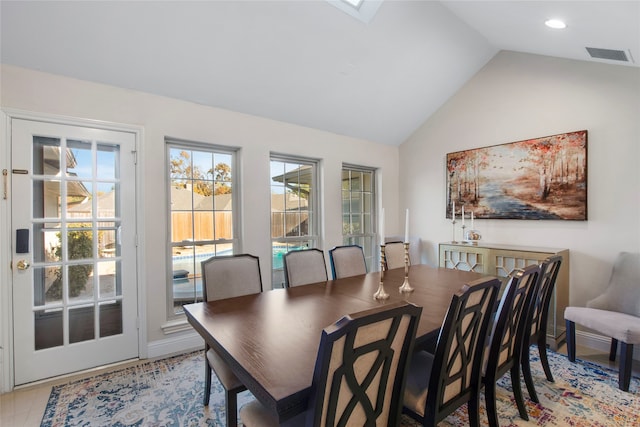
462,216
381,293
453,210
406,226
453,224
406,287
472,221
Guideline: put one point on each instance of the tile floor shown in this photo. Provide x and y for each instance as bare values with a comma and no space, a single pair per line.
25,406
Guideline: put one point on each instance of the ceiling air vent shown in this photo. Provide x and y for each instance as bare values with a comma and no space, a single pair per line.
614,55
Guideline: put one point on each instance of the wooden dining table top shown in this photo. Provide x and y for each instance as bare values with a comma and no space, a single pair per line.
270,340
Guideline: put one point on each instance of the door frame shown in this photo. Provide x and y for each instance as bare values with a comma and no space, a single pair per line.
7,381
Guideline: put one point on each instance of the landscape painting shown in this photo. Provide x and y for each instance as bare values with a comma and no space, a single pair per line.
541,178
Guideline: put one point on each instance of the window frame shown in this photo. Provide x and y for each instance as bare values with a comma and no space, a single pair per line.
234,241
312,238
367,240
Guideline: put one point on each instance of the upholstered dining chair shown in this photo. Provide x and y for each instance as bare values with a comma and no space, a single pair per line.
347,261
394,255
359,373
507,338
549,269
615,313
439,383
303,267
226,277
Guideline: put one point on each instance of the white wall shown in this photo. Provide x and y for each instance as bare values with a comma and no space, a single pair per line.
518,96
160,117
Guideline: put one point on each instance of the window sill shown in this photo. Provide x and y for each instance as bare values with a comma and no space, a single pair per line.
175,326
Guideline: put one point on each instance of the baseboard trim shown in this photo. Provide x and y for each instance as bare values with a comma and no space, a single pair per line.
599,342
177,344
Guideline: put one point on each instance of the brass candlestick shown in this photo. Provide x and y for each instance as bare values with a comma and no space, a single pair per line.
381,293
406,287
453,223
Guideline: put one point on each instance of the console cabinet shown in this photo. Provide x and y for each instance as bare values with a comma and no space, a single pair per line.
500,260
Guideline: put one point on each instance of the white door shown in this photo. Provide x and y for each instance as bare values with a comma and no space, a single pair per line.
73,248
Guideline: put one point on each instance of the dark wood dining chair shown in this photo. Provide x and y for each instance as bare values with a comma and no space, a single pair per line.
439,383
302,267
359,373
394,255
549,269
507,337
226,277
347,261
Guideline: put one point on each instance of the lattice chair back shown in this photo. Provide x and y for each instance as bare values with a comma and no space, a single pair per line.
304,267
361,366
437,385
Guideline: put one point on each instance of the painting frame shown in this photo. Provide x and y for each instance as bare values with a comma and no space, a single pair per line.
543,178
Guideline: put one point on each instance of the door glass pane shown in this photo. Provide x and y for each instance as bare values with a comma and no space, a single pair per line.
46,155
47,285
80,282
48,328
107,279
81,323
78,203
79,159
107,157
46,243
107,197
110,318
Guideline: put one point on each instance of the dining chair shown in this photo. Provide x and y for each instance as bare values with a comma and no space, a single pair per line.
439,383
549,269
615,313
302,267
394,255
347,261
226,277
506,339
359,373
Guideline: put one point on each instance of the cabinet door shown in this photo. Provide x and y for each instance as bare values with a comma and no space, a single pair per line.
466,258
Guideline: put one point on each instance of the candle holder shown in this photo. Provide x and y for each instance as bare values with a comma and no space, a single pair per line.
472,237
406,287
453,226
463,233
381,293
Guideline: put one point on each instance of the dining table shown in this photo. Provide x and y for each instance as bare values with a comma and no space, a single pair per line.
270,340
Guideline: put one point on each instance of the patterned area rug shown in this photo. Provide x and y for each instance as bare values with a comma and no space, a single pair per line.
168,392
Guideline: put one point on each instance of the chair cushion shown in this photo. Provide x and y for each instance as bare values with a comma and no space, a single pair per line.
227,378
254,414
417,385
621,326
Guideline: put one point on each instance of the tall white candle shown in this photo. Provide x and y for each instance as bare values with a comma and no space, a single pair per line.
463,215
472,221
406,227
453,210
382,227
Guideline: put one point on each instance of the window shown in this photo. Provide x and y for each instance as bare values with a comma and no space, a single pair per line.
358,207
294,209
201,215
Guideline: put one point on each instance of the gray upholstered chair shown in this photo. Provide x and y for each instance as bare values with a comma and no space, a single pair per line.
226,277
303,267
615,313
359,374
394,255
439,383
347,261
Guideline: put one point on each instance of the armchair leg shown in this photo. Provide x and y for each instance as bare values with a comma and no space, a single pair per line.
232,408
626,362
207,382
571,340
613,350
517,391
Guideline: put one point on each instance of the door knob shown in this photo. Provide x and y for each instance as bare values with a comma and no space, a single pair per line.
23,264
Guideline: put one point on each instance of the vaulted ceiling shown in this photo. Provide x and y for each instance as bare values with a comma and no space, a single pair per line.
306,62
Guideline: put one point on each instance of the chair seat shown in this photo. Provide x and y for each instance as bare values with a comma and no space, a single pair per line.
256,414
227,378
417,386
621,326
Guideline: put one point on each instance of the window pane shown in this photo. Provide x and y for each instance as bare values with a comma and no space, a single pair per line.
201,216
358,212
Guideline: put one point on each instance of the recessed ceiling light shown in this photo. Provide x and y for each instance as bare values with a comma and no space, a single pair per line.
555,23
